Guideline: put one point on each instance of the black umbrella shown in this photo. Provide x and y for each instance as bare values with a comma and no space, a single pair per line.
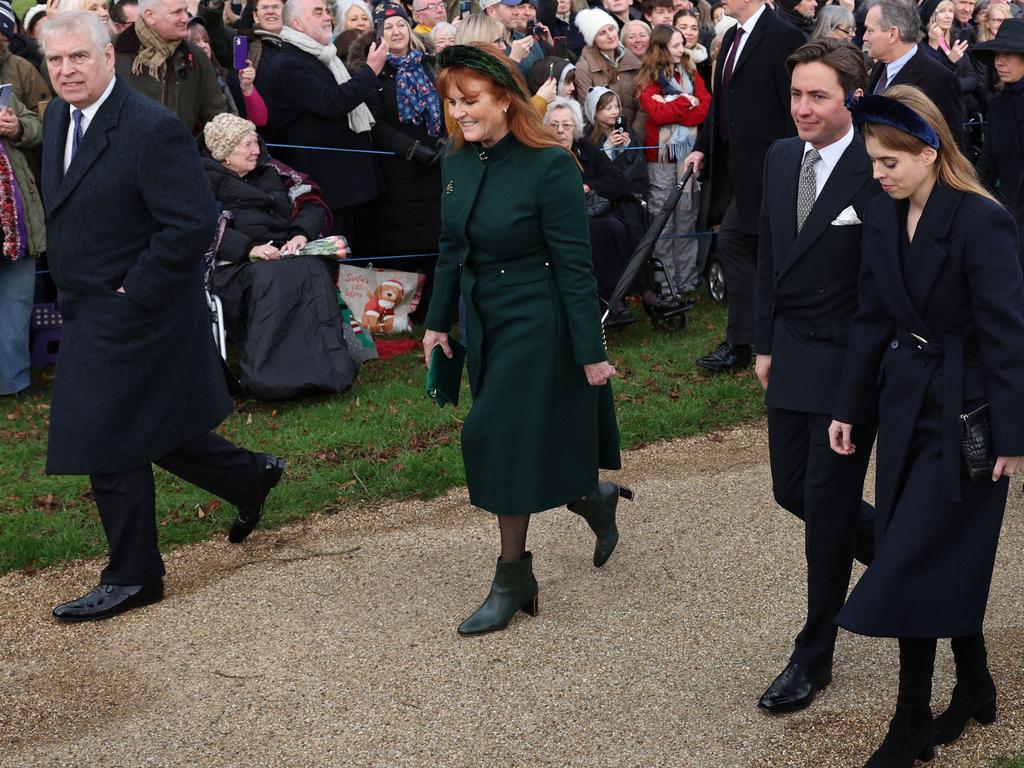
645,247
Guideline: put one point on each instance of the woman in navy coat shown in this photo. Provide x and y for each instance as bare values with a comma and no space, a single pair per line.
940,328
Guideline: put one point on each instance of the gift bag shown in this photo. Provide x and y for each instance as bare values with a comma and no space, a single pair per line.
360,343
381,299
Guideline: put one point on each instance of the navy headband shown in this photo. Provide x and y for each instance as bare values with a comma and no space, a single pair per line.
886,111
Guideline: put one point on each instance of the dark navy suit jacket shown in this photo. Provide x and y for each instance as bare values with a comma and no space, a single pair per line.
806,289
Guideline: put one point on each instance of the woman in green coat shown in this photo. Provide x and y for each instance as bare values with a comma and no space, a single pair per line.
515,246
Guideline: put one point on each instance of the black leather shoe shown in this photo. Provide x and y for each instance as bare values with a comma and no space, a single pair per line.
795,688
109,600
726,358
249,515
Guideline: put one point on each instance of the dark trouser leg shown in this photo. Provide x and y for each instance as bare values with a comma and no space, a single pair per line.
738,253
218,466
825,490
127,507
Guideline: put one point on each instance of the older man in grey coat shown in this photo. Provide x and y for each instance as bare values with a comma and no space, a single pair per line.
138,378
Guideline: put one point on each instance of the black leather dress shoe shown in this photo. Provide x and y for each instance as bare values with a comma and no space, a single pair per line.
795,688
726,358
109,600
249,515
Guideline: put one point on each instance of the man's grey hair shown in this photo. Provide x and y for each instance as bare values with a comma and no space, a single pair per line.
561,102
76,23
292,10
147,5
900,14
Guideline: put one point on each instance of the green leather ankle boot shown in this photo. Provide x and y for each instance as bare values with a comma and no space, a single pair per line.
514,588
598,509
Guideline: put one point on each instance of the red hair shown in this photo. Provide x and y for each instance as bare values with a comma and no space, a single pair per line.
523,120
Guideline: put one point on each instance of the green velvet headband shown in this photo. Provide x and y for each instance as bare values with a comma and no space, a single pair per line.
471,57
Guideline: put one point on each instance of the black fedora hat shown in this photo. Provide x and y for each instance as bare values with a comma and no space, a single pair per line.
1009,39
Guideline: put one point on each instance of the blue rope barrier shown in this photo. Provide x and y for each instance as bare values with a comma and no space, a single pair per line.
335,149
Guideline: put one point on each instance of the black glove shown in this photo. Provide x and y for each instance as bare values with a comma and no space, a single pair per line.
417,153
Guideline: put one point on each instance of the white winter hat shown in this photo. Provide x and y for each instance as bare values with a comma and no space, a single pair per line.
724,25
590,21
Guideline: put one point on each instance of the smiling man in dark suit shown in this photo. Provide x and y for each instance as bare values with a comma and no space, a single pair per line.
816,188
749,110
138,380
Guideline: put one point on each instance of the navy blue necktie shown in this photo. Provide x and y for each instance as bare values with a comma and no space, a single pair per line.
76,136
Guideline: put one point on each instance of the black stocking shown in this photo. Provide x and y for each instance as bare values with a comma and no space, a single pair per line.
513,530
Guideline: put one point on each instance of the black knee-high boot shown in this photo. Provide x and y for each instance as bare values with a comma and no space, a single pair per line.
974,695
911,733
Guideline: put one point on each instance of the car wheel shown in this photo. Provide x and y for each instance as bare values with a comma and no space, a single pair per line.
716,281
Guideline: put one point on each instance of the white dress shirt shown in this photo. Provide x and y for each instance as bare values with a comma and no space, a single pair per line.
829,158
88,113
748,27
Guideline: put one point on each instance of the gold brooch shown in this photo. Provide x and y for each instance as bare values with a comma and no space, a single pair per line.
450,188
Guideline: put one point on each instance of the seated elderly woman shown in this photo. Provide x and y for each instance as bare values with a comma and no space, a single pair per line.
605,187
280,307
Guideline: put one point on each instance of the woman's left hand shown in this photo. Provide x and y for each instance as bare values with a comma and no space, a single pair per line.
293,245
1007,466
598,374
957,51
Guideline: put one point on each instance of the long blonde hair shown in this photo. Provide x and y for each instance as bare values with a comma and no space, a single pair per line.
478,28
934,21
953,169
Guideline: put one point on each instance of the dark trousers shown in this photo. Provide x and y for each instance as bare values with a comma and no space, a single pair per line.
127,501
737,251
824,490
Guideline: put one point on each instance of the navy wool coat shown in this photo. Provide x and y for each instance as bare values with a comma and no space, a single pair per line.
957,285
138,373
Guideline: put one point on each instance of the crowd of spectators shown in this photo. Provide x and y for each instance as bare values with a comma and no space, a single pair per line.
346,95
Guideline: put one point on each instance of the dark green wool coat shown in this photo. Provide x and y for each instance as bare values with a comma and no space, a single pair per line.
516,247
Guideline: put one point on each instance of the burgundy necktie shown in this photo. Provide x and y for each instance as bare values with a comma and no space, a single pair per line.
730,64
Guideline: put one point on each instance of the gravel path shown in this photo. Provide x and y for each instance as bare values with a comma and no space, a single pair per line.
333,643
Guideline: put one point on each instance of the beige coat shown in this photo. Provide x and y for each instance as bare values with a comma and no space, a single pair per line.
594,68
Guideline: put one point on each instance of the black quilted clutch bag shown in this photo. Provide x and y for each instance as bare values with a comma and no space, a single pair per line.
976,443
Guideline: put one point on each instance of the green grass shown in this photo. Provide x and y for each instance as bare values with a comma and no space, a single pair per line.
382,440
1009,762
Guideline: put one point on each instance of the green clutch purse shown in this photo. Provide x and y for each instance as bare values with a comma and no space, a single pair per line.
444,378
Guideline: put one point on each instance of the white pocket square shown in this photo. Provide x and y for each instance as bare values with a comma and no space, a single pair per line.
846,218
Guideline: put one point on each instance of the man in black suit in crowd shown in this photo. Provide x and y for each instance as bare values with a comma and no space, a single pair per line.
139,380
817,186
891,30
749,110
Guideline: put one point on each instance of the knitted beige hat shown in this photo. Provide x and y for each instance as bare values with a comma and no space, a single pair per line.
224,133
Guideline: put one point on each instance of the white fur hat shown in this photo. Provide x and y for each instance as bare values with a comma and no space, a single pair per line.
590,21
724,25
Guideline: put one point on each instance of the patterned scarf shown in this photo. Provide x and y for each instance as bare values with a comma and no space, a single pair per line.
676,140
415,93
154,52
12,210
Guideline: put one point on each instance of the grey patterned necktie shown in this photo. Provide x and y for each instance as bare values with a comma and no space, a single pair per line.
808,189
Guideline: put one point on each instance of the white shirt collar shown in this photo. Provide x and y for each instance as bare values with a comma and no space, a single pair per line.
830,155
749,24
90,112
